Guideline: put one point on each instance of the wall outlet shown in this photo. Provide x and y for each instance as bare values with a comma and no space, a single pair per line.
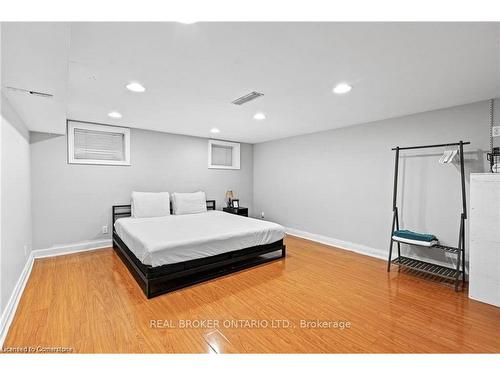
262,215
104,229
496,131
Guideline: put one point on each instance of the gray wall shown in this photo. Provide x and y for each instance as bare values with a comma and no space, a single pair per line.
336,183
71,202
15,199
339,183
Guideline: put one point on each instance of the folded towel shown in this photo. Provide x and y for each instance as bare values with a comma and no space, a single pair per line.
416,242
414,235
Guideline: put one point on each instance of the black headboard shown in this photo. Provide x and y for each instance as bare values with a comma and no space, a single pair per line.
125,210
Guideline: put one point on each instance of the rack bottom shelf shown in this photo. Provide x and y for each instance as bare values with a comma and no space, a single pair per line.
429,268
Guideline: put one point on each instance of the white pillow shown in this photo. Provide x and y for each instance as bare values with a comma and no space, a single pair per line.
150,204
189,203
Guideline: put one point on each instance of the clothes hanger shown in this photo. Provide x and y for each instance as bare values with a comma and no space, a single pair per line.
445,156
448,156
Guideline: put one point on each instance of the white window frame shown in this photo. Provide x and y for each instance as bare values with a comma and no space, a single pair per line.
72,125
235,154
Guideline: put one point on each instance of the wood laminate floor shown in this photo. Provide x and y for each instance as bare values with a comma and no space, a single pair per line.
90,303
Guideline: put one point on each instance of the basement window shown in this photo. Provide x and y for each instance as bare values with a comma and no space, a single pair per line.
223,155
90,143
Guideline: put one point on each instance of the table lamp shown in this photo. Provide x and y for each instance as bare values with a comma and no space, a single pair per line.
229,197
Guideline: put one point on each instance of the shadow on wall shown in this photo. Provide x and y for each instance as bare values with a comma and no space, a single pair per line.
8,114
474,162
36,137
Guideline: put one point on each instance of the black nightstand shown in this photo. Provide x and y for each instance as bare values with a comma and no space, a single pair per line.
242,211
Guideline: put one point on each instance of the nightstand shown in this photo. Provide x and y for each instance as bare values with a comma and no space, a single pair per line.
242,211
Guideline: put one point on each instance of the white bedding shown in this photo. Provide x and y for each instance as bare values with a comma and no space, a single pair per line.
177,238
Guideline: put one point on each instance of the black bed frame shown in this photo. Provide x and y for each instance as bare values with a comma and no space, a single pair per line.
155,281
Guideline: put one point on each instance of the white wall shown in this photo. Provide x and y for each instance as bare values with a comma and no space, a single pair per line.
339,183
1,85
15,199
72,202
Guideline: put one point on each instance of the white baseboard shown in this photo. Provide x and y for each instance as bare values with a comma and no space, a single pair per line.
71,248
10,309
345,245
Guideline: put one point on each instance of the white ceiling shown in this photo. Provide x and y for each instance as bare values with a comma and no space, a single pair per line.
193,72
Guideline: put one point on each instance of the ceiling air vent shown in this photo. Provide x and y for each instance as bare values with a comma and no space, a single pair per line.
248,97
31,92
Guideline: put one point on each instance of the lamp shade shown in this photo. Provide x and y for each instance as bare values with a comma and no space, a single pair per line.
229,194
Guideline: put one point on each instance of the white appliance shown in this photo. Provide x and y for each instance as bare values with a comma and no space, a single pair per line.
484,229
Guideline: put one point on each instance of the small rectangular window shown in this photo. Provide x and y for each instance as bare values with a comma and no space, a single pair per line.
98,144
223,155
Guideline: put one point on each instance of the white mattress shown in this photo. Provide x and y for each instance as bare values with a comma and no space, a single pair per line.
177,238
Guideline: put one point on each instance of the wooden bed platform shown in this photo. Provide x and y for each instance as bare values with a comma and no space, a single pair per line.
155,281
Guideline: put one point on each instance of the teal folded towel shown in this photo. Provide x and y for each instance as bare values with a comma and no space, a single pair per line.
414,235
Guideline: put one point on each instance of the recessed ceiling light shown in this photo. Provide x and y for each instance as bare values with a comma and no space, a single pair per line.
342,88
214,130
115,114
187,22
136,87
259,116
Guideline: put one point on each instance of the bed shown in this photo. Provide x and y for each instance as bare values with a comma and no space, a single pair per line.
164,254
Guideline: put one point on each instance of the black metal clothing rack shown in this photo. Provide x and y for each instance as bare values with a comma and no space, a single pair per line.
426,267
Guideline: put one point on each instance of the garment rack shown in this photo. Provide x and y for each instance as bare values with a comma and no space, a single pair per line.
426,267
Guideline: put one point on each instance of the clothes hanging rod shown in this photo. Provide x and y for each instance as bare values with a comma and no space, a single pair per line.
430,146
